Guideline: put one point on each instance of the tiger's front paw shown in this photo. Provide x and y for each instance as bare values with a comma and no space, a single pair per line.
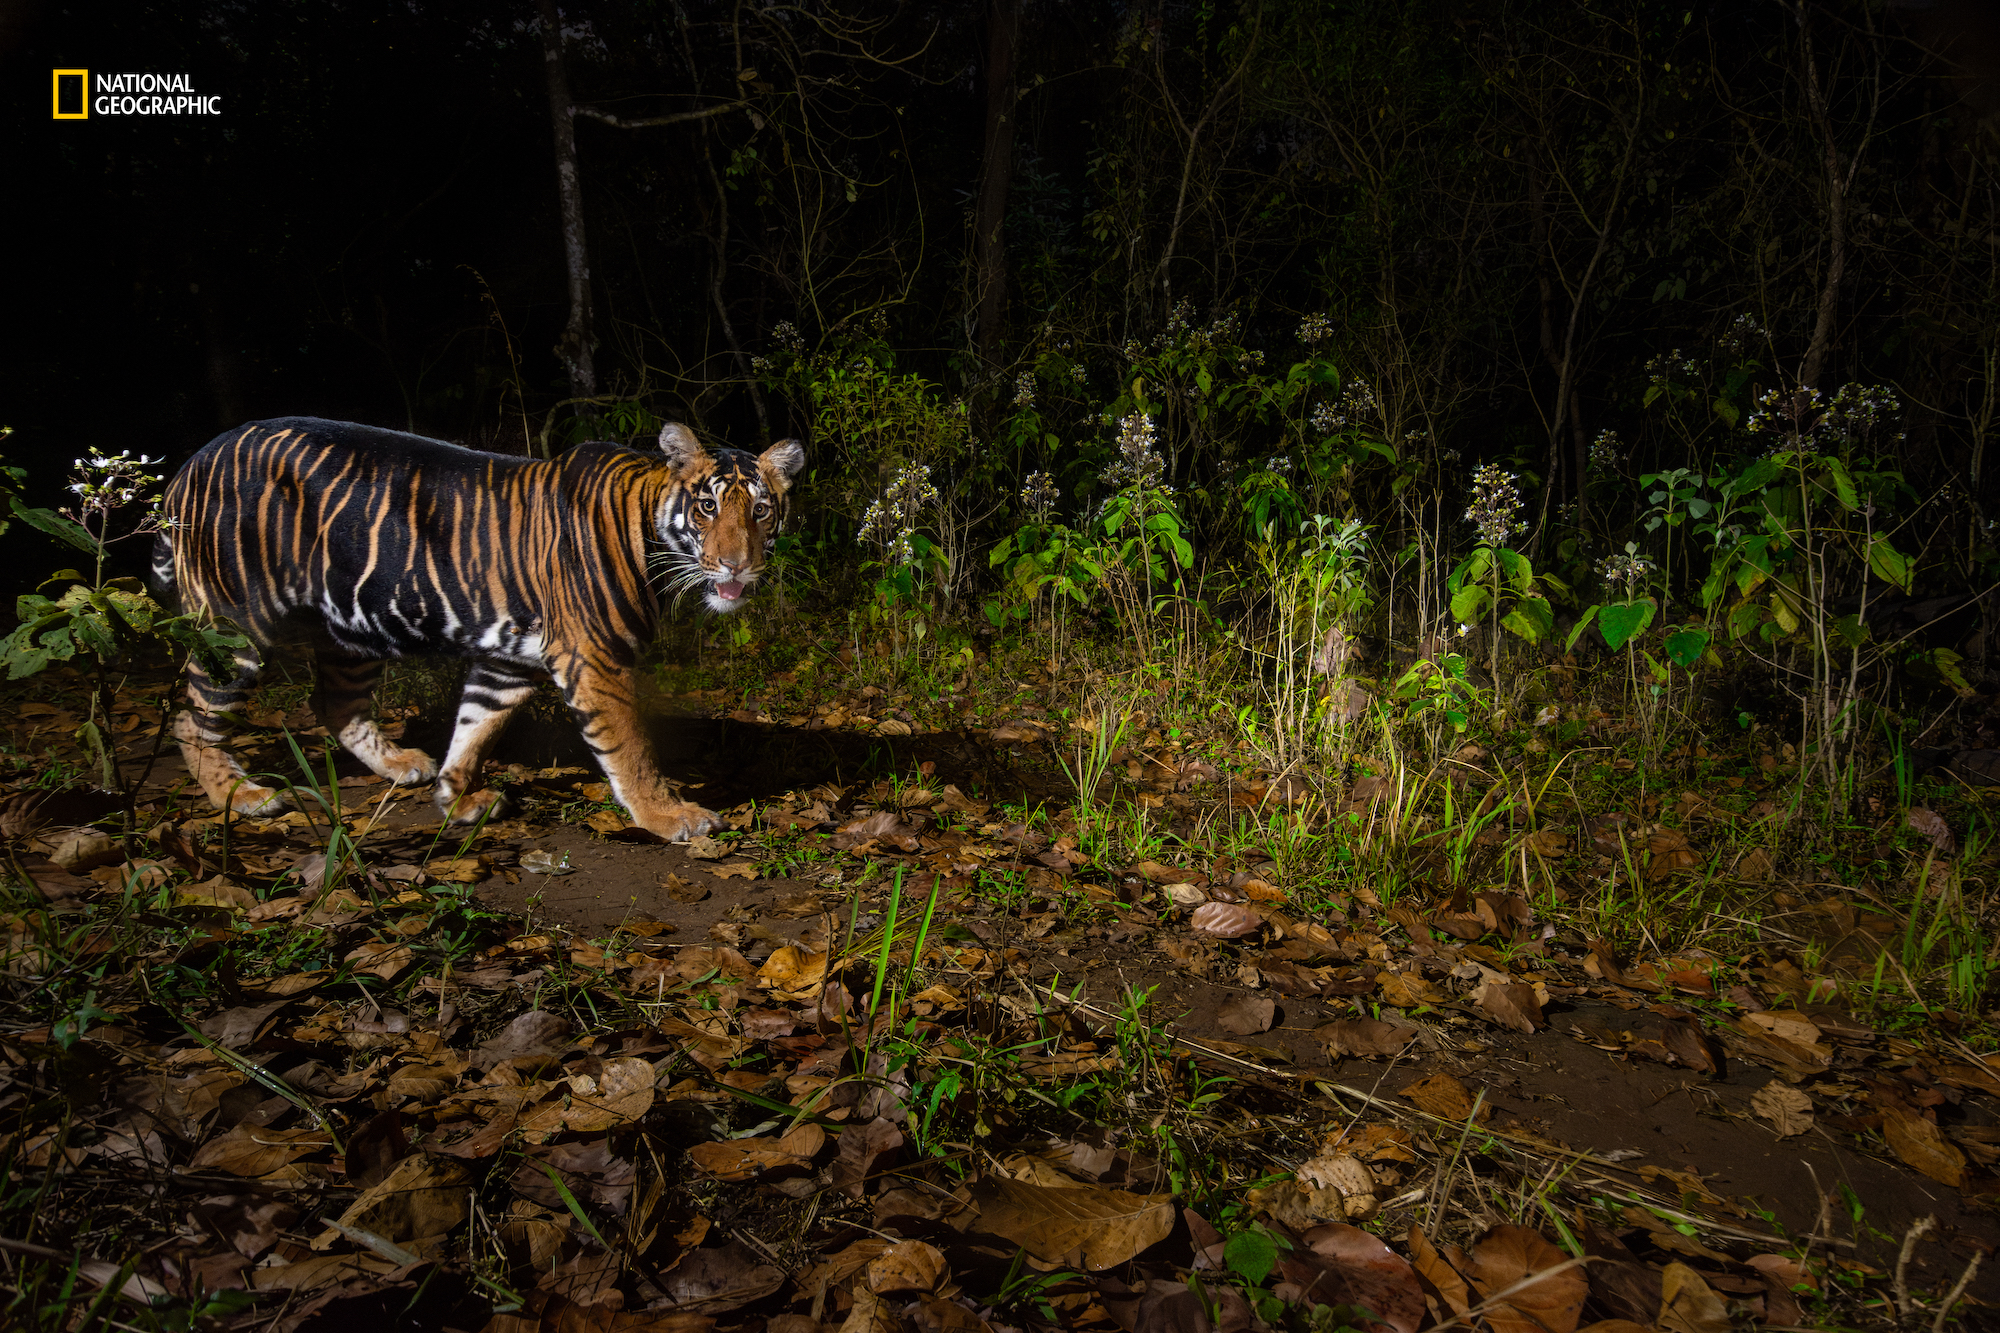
246,798
681,821
408,768
472,806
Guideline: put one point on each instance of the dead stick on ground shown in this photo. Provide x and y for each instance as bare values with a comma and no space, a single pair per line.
1918,1229
1957,1290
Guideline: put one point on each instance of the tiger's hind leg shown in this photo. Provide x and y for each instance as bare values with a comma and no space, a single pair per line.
201,732
493,690
345,704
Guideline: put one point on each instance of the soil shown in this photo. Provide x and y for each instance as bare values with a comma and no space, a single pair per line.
1550,1085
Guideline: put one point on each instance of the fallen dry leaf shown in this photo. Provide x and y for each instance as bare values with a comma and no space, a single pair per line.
1224,920
1511,1005
1445,1097
1921,1144
382,958
1789,1110
1444,1287
423,1196
1688,1304
619,1094
1100,1227
254,1150
1354,1268
1246,1015
908,1265
1507,1254
792,973
1931,825
1364,1036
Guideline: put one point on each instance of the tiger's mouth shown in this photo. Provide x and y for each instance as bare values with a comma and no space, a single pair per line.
729,591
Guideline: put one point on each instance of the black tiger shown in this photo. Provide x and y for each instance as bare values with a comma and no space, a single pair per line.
374,544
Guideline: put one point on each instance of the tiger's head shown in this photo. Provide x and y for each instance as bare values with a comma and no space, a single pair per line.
719,520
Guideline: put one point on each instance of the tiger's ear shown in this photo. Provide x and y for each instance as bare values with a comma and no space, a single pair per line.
785,457
680,446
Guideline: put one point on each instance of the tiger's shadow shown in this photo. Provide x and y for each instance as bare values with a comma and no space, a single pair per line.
722,762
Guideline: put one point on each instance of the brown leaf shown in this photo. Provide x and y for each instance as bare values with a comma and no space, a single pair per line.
1511,1005
1101,1227
239,1027
748,1159
254,1150
1246,1015
1688,1304
717,1280
1756,865
1364,1036
1357,1269
1225,920
1016,733
534,1033
1507,1254
382,958
423,1196
1443,1286
881,826
461,869
1921,1144
1789,1110
1931,825
1445,1097
866,1150
681,891
792,973
248,1223
1687,1043
374,1149
619,1094
735,870
1407,990
907,1265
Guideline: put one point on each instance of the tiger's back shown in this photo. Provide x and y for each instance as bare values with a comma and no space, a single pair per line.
373,544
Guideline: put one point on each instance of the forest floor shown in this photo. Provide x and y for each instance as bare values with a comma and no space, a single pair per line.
974,1017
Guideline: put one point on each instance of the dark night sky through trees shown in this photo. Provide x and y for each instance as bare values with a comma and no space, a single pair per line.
379,193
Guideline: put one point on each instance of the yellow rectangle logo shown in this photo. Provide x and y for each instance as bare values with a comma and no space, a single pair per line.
72,94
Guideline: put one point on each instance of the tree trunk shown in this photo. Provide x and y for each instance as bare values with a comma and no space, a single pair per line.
1003,31
1836,216
578,343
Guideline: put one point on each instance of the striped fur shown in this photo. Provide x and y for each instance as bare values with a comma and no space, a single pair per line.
371,545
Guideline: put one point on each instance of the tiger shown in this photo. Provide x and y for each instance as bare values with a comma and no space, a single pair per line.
373,544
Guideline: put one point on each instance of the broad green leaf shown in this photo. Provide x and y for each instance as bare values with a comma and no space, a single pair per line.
1469,603
1725,409
1251,1255
1472,569
1756,477
1532,618
1853,631
1516,568
47,520
1889,564
1582,623
1745,617
1685,647
1619,621
1946,661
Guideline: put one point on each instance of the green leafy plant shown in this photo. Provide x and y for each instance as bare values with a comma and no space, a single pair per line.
98,621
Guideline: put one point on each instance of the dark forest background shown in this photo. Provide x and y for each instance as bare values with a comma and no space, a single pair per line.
960,232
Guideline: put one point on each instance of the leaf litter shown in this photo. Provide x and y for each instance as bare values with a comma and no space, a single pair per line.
890,1098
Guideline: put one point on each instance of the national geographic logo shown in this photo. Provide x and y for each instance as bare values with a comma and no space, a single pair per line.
77,97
